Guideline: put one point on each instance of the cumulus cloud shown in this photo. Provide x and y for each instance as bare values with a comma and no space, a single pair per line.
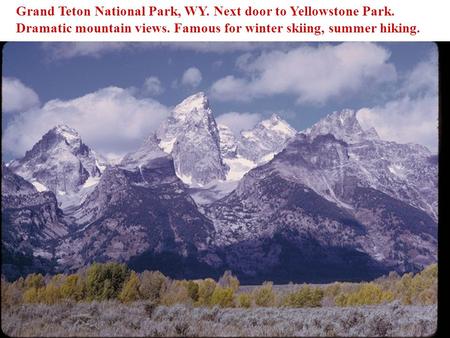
110,120
16,96
153,86
192,77
239,121
312,74
230,88
412,116
406,120
422,79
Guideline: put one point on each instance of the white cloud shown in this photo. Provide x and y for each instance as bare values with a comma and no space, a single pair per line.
110,120
412,116
153,86
215,47
192,77
406,120
16,97
312,74
69,50
113,158
239,121
422,79
230,88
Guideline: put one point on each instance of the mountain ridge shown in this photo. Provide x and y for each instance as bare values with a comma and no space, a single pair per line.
205,200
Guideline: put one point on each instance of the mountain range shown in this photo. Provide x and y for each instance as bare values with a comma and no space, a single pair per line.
332,202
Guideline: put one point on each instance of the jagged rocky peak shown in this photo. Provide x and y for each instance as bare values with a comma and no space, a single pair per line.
194,109
324,151
266,139
59,162
228,142
344,125
276,124
191,136
69,134
148,151
195,103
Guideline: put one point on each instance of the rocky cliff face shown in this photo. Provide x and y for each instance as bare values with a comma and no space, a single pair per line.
228,142
31,225
343,125
191,136
403,171
59,162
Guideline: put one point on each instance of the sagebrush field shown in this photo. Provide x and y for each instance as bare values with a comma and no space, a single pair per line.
112,318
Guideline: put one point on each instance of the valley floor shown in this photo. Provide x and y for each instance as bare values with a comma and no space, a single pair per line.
112,318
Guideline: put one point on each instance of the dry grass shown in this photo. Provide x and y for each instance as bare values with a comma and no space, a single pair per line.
111,318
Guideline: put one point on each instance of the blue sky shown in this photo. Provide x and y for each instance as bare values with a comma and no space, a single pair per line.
117,93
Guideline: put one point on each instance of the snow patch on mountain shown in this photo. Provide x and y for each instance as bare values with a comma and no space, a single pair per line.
91,181
167,145
398,170
239,166
39,186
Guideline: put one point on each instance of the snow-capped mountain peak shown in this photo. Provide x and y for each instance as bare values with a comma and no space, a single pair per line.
60,136
59,162
191,136
67,132
265,140
344,125
194,105
276,124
